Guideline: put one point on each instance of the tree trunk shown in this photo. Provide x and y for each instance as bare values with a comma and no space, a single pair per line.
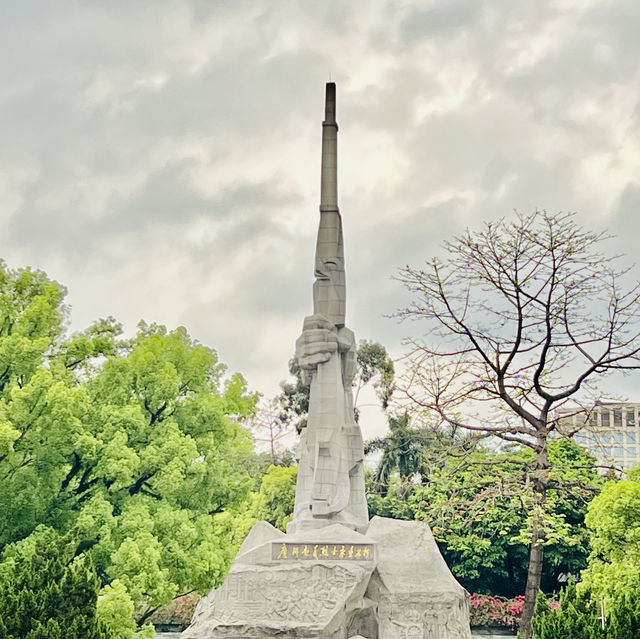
536,550
534,575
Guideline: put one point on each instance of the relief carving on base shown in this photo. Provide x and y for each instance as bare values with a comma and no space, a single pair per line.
306,596
407,617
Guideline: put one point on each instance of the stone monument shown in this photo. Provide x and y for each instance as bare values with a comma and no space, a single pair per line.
334,574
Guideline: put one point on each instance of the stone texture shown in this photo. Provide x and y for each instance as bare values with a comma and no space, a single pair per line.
334,575
330,486
271,594
261,532
390,583
416,594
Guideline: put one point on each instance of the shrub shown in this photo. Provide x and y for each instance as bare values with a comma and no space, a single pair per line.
42,596
579,617
487,610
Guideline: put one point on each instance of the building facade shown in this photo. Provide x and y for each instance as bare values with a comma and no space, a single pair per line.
610,431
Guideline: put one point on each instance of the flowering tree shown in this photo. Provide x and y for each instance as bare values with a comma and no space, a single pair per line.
523,317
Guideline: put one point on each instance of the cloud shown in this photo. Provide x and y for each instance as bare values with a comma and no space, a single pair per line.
165,163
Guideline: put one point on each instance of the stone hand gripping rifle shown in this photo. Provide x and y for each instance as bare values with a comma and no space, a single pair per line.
330,487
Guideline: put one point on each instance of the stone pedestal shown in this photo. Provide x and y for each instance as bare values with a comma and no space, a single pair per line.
335,583
335,575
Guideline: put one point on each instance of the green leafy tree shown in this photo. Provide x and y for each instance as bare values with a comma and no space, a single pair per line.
132,449
524,317
115,610
276,497
373,367
577,617
582,615
46,594
478,505
404,451
613,574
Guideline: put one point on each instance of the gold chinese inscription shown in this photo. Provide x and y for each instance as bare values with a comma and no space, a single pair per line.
321,552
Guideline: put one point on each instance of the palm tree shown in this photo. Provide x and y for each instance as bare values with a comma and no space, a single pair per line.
403,451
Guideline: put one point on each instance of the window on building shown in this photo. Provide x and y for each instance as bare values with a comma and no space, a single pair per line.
618,451
617,417
631,451
617,438
631,438
606,438
631,420
607,451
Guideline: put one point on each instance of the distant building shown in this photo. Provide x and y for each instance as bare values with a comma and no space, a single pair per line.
610,431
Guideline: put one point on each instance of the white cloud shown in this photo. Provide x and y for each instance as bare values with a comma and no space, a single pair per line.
163,162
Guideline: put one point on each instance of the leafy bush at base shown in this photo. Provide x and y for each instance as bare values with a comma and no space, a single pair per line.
47,593
43,597
579,617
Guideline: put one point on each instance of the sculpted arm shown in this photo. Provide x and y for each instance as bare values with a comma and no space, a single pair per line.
319,340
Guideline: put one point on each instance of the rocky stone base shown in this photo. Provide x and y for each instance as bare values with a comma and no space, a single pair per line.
335,583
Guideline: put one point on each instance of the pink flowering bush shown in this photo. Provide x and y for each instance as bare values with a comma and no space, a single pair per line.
487,610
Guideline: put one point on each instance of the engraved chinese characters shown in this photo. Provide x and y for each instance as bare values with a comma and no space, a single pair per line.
302,596
322,551
335,574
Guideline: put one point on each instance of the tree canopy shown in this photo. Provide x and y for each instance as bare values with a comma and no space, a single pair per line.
524,316
45,594
130,448
374,367
613,573
478,504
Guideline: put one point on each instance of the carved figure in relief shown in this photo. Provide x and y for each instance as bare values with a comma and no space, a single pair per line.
330,486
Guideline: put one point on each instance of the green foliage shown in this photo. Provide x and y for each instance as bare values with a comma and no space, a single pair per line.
405,451
44,594
132,449
612,579
580,617
373,366
294,398
115,610
577,617
31,321
277,495
613,573
478,504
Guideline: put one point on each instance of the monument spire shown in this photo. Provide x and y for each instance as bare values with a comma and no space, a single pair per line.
329,171
329,291
330,487
334,574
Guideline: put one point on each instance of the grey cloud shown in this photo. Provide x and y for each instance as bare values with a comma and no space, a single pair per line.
508,142
167,199
439,20
625,221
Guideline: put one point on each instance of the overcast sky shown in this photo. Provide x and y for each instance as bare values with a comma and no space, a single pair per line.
161,159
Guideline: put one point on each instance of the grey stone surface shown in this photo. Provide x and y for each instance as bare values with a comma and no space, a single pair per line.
334,575
415,592
302,585
262,532
336,583
330,486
